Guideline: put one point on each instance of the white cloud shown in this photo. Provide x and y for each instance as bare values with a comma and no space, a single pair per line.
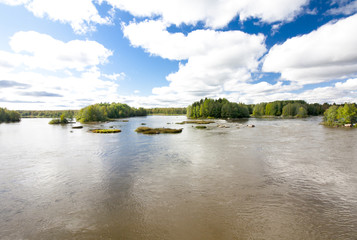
82,15
42,51
214,58
344,8
115,76
9,61
214,13
46,91
325,54
14,2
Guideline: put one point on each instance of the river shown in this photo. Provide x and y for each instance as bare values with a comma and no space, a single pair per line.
283,179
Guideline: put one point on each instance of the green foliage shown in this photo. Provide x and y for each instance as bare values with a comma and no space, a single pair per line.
330,116
338,116
166,111
104,111
302,112
9,116
289,108
259,109
221,108
46,113
65,118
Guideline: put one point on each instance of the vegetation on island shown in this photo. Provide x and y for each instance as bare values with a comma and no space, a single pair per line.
105,130
66,117
221,108
338,116
105,111
9,115
44,113
289,108
147,130
196,122
166,111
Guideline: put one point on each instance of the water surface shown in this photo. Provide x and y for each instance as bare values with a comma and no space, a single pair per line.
283,179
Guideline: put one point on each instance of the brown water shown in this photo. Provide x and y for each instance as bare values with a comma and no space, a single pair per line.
284,179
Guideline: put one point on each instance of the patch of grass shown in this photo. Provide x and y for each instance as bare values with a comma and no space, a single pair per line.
77,127
196,122
201,127
105,130
147,130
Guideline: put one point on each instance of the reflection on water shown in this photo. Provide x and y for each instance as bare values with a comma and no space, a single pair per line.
284,179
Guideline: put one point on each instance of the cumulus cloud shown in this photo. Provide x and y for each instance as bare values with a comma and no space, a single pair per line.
344,7
323,55
214,58
82,15
115,76
214,13
52,90
36,50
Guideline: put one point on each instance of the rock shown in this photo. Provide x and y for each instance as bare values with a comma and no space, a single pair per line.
251,125
77,127
348,125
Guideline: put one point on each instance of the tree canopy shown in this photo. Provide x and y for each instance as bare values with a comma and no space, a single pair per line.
104,111
9,115
289,108
341,115
221,108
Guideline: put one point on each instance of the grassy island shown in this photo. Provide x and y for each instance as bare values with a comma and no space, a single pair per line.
105,130
147,130
196,122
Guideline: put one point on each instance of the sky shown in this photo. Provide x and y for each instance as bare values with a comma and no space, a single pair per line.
63,54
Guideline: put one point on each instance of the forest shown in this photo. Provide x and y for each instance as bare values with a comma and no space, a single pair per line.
289,108
105,111
44,113
222,108
166,111
337,116
9,115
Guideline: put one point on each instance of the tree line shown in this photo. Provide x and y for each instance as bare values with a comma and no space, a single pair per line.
166,111
45,113
105,111
9,115
289,108
220,108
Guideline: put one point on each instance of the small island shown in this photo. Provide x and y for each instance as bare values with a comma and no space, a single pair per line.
341,116
147,130
105,130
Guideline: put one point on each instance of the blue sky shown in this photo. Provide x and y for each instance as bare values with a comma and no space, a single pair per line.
62,54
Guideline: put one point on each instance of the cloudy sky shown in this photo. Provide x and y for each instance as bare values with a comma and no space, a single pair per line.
63,54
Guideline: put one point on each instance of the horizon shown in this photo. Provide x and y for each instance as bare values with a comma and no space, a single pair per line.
63,55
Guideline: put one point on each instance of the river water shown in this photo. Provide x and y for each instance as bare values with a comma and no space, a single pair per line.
283,179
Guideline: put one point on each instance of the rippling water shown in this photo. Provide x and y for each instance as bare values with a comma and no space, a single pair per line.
284,179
